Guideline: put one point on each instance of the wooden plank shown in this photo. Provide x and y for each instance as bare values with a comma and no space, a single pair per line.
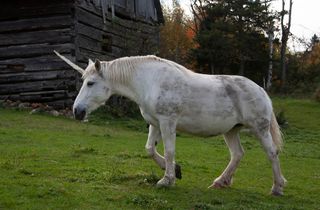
40,23
33,50
48,36
49,62
43,92
87,43
17,9
44,96
59,84
85,54
37,76
57,99
56,65
60,104
89,31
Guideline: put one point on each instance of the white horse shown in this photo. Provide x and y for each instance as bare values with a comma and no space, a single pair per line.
172,98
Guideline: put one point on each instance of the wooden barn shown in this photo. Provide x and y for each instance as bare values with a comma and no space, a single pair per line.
79,29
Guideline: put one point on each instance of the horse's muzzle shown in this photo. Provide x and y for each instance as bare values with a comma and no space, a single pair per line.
79,113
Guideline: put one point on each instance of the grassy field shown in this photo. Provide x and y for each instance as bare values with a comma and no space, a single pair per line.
51,162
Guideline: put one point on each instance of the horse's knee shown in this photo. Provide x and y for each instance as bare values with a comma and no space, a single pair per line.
272,155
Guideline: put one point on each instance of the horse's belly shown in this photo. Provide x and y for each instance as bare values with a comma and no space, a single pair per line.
206,125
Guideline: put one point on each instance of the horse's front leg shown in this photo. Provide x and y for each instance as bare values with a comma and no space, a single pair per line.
154,137
168,133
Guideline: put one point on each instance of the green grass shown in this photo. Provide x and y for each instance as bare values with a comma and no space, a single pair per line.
56,163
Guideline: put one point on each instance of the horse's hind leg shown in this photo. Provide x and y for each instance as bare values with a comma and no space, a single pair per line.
271,149
154,137
236,152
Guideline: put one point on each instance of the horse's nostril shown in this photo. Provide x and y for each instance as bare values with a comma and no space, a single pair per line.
83,113
79,113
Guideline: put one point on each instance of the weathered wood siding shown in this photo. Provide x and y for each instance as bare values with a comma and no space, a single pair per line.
79,29
113,37
29,32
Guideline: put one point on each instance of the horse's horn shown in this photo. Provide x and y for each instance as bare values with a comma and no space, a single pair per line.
75,66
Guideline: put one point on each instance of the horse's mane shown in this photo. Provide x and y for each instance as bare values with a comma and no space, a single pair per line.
122,69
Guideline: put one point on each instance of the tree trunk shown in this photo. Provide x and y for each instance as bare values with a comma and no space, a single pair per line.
242,57
212,69
270,68
283,61
284,39
241,69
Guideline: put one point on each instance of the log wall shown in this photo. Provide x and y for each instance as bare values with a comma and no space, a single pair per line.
79,29
29,32
112,37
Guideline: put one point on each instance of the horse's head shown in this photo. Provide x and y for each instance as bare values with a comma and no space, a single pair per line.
95,90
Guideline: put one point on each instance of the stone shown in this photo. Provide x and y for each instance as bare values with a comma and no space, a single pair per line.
54,113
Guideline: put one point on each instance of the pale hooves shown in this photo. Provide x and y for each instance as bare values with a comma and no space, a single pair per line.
216,185
178,171
165,182
221,183
277,190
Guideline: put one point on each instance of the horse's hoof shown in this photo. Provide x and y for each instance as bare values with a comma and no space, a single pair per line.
277,189
277,193
216,185
178,171
221,182
165,182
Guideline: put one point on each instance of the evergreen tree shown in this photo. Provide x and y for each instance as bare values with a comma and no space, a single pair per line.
231,37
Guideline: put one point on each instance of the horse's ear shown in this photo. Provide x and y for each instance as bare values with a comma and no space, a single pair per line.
90,62
97,65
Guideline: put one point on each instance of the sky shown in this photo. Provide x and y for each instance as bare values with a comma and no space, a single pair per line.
304,23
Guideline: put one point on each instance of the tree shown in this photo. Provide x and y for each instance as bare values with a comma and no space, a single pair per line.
312,58
285,29
175,36
231,36
270,33
314,41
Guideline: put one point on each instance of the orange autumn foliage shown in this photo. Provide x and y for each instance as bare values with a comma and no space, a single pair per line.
176,36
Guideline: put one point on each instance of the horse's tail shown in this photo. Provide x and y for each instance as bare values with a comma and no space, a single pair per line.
276,133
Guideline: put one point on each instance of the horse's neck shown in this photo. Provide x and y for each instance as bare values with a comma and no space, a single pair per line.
136,88
126,91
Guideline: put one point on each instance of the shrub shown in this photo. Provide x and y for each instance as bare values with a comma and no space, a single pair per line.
316,94
281,119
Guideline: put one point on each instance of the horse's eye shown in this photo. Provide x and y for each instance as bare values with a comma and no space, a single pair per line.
90,83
